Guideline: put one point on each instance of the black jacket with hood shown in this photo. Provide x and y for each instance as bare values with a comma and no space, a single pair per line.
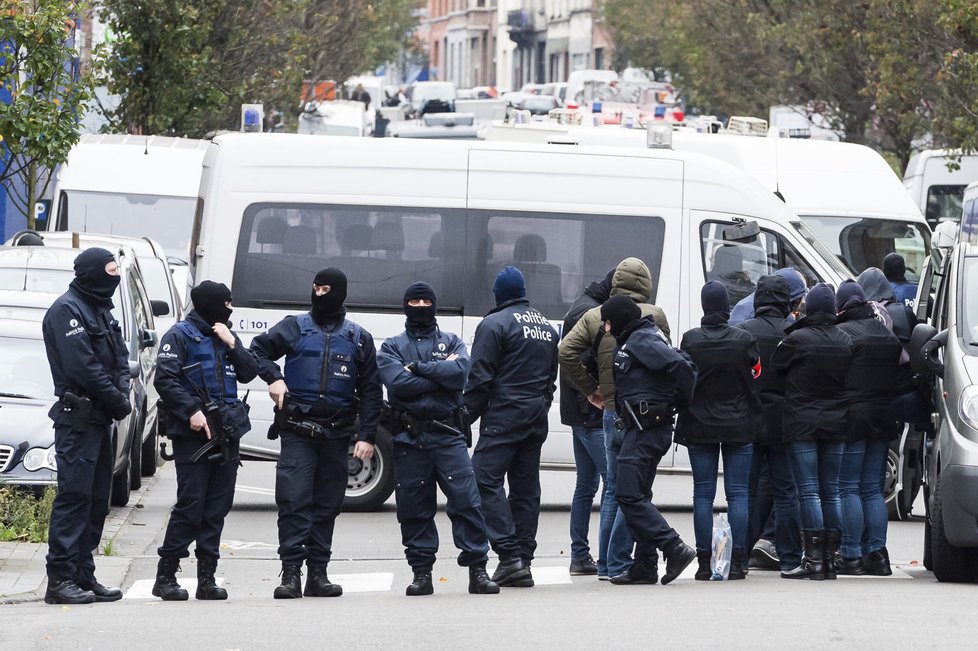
877,288
575,410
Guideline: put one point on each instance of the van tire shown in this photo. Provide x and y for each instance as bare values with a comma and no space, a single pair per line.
136,458
950,564
151,447
120,487
370,483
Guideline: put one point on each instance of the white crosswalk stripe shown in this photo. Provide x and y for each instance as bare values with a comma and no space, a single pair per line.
143,588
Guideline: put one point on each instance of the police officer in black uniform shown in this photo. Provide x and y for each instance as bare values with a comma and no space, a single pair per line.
90,367
652,381
424,370
198,367
511,386
330,379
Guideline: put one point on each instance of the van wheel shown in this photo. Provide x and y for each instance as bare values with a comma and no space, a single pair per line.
928,555
136,458
951,564
120,486
151,448
371,482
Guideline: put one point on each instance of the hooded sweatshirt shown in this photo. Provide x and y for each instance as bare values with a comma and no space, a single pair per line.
877,288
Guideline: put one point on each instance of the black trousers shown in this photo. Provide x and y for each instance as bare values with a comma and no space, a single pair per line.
641,451
511,521
438,461
310,484
205,494
84,460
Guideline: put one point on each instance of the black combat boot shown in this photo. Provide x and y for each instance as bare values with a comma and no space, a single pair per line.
877,563
291,587
511,571
207,588
832,540
738,561
850,566
317,583
66,592
421,585
704,572
678,559
479,581
101,592
166,586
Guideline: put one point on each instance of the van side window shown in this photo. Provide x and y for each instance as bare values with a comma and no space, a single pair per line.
559,254
381,250
969,222
943,203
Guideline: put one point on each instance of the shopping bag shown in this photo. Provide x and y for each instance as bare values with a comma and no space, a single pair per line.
722,548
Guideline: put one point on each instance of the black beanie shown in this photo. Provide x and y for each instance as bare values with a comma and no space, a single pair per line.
90,274
850,294
210,301
419,318
329,307
509,285
621,311
820,298
894,267
715,302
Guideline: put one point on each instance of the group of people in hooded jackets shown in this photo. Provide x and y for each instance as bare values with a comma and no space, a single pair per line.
809,389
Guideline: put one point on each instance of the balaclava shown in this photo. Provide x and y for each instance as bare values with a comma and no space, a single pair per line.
849,295
210,301
419,318
621,311
330,306
820,298
509,285
895,268
716,303
91,279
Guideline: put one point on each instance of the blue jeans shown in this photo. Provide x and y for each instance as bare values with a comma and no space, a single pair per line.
704,459
816,465
850,478
592,463
875,516
785,496
614,541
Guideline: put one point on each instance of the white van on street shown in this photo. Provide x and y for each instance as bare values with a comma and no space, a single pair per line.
936,190
273,210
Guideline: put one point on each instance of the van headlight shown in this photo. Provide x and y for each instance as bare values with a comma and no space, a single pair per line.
968,404
37,458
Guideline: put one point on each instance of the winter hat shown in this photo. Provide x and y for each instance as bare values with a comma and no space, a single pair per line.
210,301
621,311
849,294
714,298
606,281
90,274
895,268
821,298
329,307
509,285
419,317
796,282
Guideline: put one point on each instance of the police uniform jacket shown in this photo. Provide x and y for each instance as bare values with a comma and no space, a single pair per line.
434,389
650,374
514,368
221,368
724,404
87,355
575,410
814,358
869,383
364,394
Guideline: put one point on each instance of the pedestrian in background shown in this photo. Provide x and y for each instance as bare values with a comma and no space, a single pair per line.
90,366
424,370
719,420
330,379
510,387
205,488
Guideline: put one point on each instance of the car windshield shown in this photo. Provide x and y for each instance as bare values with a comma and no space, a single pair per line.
861,243
54,281
24,369
969,304
166,219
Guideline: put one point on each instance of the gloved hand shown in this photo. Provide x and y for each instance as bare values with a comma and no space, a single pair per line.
120,409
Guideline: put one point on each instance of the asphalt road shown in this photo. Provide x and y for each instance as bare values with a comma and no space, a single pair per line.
907,610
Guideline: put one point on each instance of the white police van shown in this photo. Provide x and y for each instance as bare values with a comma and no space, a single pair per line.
275,208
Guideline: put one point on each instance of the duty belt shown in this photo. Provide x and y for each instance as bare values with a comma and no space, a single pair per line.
315,427
643,415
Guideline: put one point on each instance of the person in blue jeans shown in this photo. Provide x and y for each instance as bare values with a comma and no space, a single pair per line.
814,359
719,421
614,536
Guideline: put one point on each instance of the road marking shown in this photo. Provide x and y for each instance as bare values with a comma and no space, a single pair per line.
370,582
255,490
239,545
546,575
143,588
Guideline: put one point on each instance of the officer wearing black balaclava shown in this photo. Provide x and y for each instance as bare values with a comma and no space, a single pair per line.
90,366
329,380
424,370
201,358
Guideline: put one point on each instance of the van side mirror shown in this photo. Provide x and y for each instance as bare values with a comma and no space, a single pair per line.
148,339
930,350
160,308
741,232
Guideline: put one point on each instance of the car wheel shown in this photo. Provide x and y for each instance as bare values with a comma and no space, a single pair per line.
136,458
950,564
896,500
371,482
120,487
151,448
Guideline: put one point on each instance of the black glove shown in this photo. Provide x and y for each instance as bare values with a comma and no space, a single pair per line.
120,409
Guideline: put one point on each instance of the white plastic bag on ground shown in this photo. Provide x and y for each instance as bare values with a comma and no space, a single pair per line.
722,548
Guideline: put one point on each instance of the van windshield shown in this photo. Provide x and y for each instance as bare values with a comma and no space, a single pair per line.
969,304
166,219
861,243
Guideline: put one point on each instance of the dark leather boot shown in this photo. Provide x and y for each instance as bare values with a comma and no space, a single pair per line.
877,563
832,540
318,583
812,566
421,584
849,566
479,581
207,588
511,571
704,571
291,587
166,586
66,592
102,593
738,559
678,559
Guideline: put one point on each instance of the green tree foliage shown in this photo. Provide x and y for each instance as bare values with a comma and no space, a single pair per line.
38,124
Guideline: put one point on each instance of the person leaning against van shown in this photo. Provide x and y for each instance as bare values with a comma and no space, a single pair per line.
330,379
510,387
90,366
199,365
719,421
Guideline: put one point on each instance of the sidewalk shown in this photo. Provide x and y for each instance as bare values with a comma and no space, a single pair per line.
22,565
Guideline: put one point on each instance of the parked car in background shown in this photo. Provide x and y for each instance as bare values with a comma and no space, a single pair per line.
431,97
556,90
47,271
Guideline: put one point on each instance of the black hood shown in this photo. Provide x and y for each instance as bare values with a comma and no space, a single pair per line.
773,294
91,281
875,286
329,307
